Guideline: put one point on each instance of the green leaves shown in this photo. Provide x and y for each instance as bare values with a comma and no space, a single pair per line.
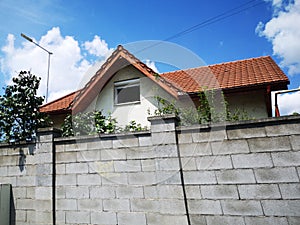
19,109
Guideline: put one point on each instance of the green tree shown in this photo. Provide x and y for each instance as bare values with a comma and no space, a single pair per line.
19,109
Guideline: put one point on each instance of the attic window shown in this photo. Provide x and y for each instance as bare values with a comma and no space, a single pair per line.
127,91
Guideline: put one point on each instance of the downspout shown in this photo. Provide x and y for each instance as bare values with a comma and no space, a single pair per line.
277,113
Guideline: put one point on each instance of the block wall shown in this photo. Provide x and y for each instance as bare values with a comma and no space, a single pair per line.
242,173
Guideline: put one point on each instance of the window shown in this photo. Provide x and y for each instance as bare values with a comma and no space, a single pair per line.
127,91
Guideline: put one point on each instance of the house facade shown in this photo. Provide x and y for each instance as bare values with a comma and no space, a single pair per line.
127,89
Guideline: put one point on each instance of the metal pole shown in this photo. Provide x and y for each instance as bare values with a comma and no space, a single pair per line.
49,53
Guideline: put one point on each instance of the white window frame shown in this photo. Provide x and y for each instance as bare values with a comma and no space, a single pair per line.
126,84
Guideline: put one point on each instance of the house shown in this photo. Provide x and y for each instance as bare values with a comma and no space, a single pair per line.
126,87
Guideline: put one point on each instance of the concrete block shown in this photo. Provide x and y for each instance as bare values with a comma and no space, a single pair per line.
3,170
87,156
142,178
295,142
168,177
286,158
25,181
172,206
36,217
140,152
102,192
246,133
127,142
113,154
129,192
281,207
9,180
131,218
219,192
290,191
199,177
163,138
156,218
162,125
115,205
19,192
77,168
170,191
60,169
66,180
60,217
270,144
225,220
65,157
99,144
145,205
89,179
127,166
276,175
60,192
148,165
236,176
266,221
229,147
89,204
209,207
185,138
145,141
43,193
213,162
77,192
44,180
255,160
167,164
188,163
195,149
101,167
75,147
283,129
114,178
150,192
294,220
44,169
78,217
259,191
66,204
200,136
104,218
193,192
197,220
165,151
241,208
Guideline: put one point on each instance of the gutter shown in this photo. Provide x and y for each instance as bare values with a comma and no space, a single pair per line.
277,113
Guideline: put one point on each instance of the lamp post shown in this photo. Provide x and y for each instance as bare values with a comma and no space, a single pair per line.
49,54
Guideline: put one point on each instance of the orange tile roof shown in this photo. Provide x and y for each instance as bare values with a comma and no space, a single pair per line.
237,74
246,73
59,105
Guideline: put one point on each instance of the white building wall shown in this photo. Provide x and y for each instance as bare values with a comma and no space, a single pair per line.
132,111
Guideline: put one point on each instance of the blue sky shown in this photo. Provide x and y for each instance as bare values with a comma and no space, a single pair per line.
79,33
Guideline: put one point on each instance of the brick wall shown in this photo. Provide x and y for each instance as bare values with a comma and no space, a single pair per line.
243,173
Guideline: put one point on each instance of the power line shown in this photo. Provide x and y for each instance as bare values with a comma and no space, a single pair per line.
229,13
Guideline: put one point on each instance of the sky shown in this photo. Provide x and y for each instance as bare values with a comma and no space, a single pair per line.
84,33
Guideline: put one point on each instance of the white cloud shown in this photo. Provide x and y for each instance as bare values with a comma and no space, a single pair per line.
68,64
98,47
289,103
151,65
283,31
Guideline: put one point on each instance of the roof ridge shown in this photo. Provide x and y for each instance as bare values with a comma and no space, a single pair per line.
217,64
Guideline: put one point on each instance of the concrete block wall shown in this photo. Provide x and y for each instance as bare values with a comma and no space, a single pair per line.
244,174
130,179
28,167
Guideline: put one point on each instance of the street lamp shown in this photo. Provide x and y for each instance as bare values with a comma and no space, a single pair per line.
49,54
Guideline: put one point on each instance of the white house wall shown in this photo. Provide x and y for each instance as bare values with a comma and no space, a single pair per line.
132,111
